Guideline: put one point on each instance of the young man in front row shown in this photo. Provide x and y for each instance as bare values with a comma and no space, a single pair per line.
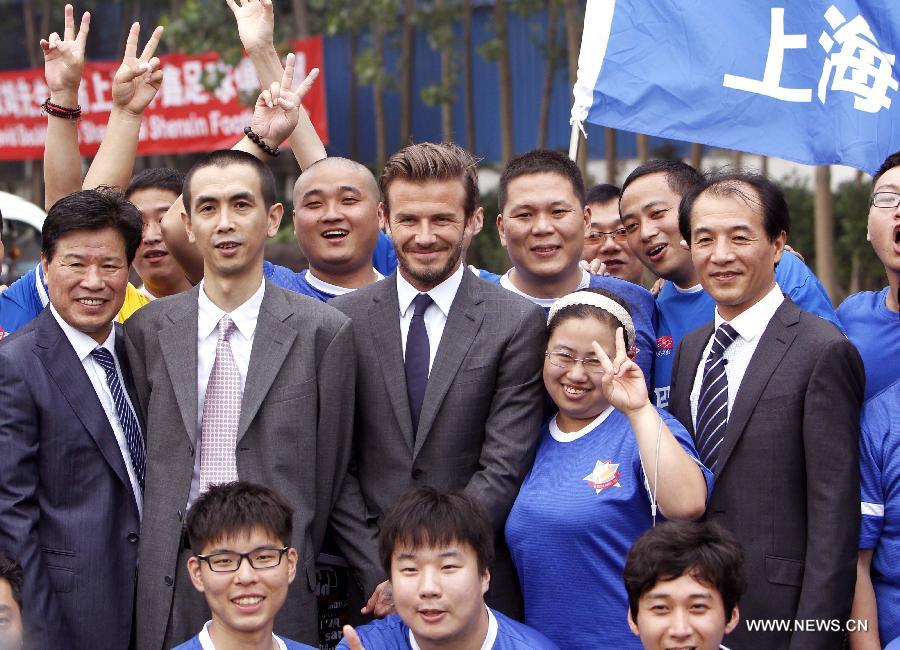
684,581
243,563
437,548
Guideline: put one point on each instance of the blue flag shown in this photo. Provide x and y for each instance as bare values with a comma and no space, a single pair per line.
813,81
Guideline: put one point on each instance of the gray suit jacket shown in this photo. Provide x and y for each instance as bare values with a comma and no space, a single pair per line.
295,436
67,509
482,411
787,482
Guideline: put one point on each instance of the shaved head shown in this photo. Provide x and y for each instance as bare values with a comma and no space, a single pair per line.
357,174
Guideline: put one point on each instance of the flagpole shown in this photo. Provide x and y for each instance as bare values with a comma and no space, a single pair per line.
573,142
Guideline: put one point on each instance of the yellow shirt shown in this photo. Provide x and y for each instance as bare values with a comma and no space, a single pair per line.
134,300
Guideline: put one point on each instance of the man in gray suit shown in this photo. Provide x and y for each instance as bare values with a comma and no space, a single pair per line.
449,389
771,395
240,379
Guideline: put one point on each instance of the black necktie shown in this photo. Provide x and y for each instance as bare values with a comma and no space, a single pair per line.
127,419
712,404
418,353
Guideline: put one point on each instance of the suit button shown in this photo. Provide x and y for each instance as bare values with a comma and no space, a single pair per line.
180,516
169,581
191,447
132,537
417,474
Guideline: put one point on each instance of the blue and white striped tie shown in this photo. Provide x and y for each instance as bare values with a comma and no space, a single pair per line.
712,405
127,419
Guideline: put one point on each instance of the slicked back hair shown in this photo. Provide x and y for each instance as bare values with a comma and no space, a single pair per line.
679,175
156,178
13,574
603,193
427,518
889,163
224,158
427,161
753,189
237,508
708,553
540,161
97,209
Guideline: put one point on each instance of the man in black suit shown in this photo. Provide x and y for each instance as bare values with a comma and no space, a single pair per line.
73,458
449,390
771,394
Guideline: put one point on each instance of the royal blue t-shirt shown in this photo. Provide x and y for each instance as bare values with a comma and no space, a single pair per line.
641,307
194,644
581,507
391,633
683,311
879,457
385,257
294,281
20,303
875,331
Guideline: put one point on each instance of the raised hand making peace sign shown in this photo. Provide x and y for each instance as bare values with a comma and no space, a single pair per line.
278,107
138,78
64,58
622,381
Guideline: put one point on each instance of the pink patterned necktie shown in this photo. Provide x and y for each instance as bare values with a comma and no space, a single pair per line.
221,414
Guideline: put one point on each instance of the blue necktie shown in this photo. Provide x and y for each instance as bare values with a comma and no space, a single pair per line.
418,354
127,419
712,404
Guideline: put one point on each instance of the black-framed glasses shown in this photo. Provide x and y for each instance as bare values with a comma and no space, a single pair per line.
885,199
617,235
264,557
593,365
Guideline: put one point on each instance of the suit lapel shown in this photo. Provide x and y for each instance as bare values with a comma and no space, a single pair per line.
690,360
178,343
384,315
271,342
62,364
463,323
122,356
775,341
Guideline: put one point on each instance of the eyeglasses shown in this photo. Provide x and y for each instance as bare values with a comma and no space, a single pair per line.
885,199
263,557
617,235
593,365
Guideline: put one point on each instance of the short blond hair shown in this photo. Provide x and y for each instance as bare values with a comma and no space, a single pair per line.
428,161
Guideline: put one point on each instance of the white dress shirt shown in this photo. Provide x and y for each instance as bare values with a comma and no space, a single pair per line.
507,283
436,314
333,289
749,325
84,345
241,341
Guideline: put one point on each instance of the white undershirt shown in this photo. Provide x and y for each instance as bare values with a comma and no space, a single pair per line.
561,436
749,324
241,342
507,283
489,639
207,644
436,314
84,345
333,289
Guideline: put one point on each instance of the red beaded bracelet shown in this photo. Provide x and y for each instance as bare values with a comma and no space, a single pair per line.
56,110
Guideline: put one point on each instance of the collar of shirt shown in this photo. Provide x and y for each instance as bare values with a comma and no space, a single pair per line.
753,321
442,295
333,289
489,638
207,644
245,316
697,288
507,283
83,343
562,436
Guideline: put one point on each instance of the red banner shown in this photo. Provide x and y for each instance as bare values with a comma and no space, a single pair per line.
185,117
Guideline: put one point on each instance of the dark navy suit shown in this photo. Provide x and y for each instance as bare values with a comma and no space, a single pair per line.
67,510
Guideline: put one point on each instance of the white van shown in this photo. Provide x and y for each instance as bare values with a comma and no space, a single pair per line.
22,223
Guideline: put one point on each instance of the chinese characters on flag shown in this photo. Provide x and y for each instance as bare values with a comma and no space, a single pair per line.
202,105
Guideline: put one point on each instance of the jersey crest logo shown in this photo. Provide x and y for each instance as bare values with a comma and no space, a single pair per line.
605,475
665,343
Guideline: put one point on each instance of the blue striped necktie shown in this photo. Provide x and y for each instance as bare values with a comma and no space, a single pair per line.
127,419
712,405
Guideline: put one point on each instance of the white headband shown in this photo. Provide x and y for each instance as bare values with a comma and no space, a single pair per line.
599,301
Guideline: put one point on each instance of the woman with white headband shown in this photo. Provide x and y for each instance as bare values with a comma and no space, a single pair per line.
604,463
